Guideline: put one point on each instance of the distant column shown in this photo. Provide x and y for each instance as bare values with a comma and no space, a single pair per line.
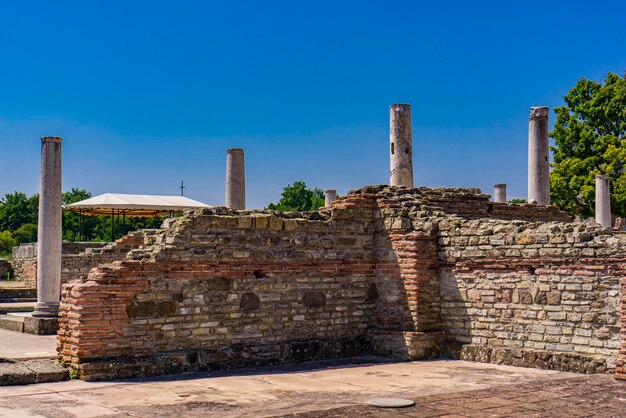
603,201
330,197
235,179
499,193
49,229
401,142
538,156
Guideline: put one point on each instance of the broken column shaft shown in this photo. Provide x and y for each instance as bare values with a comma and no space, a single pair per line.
235,179
499,193
330,196
401,143
538,156
603,201
49,230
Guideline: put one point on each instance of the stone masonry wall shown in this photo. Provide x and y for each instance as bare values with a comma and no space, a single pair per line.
620,369
407,273
221,291
78,258
544,295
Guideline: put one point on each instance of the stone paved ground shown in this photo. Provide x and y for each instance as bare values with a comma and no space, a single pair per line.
329,389
19,346
585,396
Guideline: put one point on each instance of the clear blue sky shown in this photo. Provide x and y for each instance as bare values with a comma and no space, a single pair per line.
149,93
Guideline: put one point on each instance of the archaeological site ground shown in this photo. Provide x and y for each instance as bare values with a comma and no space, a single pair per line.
385,274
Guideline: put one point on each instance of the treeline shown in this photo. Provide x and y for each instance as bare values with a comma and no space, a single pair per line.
298,197
19,216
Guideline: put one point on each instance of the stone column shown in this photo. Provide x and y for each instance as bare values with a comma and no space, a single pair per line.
603,201
235,179
401,142
49,230
330,197
499,193
538,156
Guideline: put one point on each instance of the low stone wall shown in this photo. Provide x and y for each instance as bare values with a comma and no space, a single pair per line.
222,291
620,370
77,259
407,273
559,316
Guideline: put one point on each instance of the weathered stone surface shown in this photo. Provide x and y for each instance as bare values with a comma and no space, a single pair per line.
249,302
31,371
401,145
235,179
395,268
538,156
49,229
41,326
314,299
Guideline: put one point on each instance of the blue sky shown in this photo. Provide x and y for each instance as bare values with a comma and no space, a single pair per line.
149,93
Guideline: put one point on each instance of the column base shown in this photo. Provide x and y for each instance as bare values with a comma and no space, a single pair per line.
46,310
41,326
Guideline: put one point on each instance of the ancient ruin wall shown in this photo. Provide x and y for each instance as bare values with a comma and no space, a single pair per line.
221,291
539,295
620,369
78,258
511,289
395,268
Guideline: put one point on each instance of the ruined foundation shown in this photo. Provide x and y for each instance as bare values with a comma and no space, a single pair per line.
405,273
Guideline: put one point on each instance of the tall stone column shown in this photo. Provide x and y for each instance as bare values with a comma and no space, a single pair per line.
499,193
330,196
401,142
538,156
603,201
235,179
49,230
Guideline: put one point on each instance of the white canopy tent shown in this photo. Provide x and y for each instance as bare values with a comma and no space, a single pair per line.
132,205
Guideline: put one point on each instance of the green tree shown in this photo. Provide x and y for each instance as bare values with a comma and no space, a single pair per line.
25,233
72,220
297,197
17,209
6,242
590,139
518,201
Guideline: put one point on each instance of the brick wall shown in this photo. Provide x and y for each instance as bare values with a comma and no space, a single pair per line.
401,272
221,290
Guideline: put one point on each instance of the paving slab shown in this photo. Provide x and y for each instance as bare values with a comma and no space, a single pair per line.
442,387
18,346
31,371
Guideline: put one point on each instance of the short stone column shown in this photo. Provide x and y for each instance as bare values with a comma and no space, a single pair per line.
401,143
49,230
330,196
235,179
603,201
499,193
538,156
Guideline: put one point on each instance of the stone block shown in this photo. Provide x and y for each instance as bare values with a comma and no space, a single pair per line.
41,326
